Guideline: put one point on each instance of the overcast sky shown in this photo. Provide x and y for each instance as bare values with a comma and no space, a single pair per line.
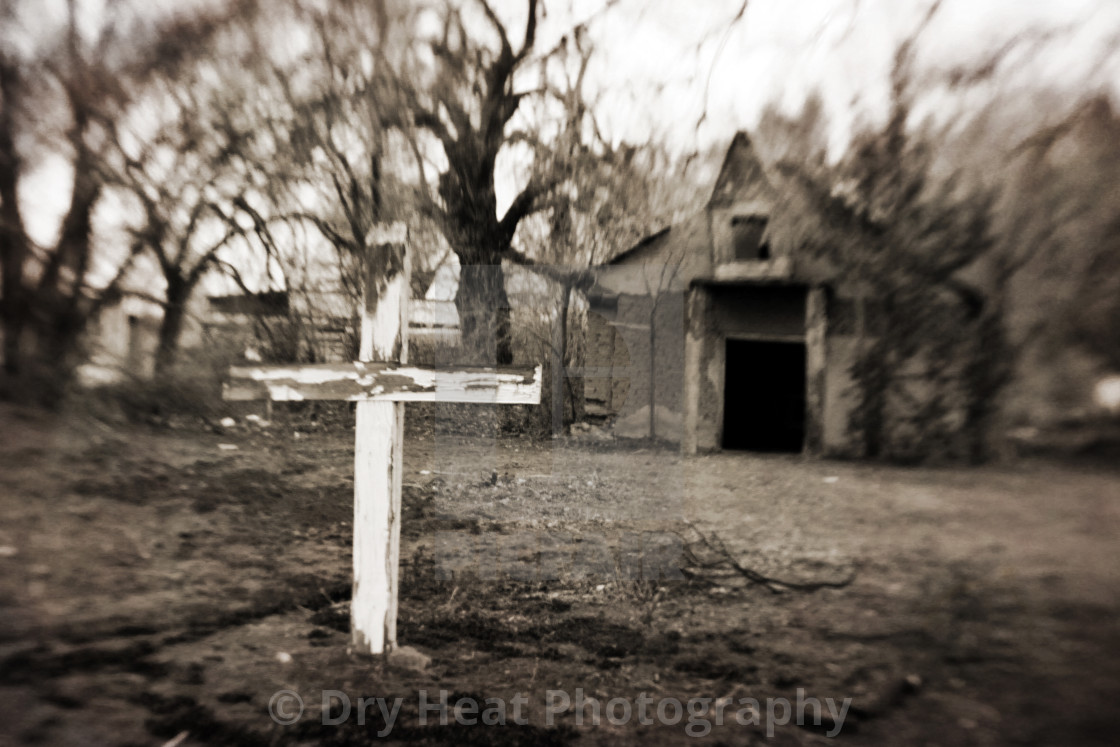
665,62
662,65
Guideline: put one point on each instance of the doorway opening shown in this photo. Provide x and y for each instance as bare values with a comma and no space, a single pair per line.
764,396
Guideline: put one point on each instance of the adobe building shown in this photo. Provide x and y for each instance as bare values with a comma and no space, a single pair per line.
717,333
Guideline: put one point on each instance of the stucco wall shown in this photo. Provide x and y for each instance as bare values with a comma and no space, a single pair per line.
122,341
718,313
607,358
630,323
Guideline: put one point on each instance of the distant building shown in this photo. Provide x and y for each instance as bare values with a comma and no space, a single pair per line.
121,339
744,342
330,319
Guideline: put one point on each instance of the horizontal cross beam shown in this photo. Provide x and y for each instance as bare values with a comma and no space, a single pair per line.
385,382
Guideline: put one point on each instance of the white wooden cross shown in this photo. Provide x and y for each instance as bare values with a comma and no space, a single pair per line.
380,389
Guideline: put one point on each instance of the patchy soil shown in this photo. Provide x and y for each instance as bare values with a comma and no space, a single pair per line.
161,585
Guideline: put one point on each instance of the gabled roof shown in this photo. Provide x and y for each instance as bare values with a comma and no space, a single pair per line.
647,241
742,177
682,239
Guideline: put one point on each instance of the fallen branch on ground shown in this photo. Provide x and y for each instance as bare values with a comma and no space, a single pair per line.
774,585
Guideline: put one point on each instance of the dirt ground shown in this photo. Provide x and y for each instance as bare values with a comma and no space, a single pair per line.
165,585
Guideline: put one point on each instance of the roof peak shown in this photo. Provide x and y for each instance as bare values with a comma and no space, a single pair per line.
741,173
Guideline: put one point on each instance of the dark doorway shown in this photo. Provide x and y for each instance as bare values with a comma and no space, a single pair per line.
764,396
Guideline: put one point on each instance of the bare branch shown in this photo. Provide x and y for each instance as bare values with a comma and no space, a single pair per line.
773,585
524,204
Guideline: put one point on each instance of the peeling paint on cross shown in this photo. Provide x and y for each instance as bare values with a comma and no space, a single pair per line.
380,383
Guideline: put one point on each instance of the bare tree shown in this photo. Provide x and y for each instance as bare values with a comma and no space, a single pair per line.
1054,217
77,87
907,228
977,239
180,178
325,159
367,86
605,197
474,93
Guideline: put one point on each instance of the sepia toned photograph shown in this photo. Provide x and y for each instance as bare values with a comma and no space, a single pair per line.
559,373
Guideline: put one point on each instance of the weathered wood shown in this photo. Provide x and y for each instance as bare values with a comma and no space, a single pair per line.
385,382
378,441
380,383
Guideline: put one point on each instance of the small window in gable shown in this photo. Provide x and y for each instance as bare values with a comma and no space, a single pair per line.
749,238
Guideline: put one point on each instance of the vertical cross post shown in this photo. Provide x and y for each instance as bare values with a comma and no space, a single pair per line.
379,441
380,383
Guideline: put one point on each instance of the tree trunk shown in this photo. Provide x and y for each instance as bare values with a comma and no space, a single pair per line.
13,344
559,366
13,240
985,377
56,335
556,372
171,327
484,314
574,406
